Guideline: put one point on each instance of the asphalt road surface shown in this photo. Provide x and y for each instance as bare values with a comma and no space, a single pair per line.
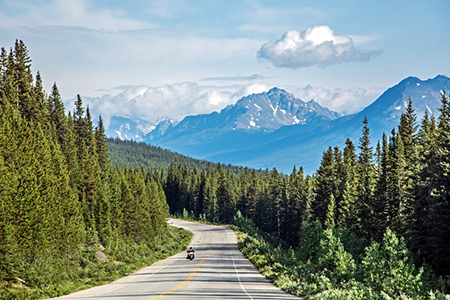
219,271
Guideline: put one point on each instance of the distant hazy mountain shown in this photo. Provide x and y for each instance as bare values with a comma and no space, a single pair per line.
133,128
265,112
275,129
292,145
242,125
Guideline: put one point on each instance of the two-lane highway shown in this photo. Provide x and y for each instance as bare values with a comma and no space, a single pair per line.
219,270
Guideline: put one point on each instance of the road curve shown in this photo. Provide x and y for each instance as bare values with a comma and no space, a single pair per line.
219,270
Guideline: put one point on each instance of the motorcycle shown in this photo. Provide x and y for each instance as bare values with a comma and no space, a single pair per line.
190,256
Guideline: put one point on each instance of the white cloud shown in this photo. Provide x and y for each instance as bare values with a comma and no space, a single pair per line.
174,101
188,98
346,101
316,46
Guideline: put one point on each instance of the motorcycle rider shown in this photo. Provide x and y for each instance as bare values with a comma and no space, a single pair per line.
190,250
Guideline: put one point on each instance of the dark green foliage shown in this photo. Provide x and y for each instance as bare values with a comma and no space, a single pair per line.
140,155
325,185
324,264
387,268
366,183
59,193
431,217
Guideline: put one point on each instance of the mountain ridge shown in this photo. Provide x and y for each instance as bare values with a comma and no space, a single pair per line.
264,112
276,129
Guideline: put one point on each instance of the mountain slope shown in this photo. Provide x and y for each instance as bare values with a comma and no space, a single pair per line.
292,145
275,129
242,125
134,128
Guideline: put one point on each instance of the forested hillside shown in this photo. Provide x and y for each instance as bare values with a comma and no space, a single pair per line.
61,202
372,223
140,155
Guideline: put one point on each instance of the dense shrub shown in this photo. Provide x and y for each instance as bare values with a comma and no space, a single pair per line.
322,268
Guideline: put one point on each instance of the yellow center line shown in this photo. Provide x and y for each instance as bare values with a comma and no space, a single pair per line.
190,276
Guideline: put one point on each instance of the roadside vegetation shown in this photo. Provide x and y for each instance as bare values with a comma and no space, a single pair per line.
332,264
69,219
86,269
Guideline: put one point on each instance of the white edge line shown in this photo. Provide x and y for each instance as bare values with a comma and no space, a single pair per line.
145,277
239,279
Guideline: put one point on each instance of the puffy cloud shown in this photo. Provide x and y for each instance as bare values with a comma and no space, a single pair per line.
171,100
316,46
345,101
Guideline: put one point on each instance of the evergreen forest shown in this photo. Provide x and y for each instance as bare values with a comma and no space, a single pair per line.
373,222
140,155
68,218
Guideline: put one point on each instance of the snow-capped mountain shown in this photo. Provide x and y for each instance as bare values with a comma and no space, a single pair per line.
262,113
292,145
133,128
424,94
160,129
276,129
274,109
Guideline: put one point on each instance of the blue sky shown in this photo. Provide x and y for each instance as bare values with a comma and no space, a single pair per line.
171,58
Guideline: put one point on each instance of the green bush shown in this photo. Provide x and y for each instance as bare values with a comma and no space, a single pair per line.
334,258
387,268
324,265
309,241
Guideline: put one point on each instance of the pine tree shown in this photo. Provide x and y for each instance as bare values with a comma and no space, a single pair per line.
408,132
366,183
101,142
200,208
172,189
24,80
347,209
421,225
397,183
252,195
210,207
325,185
274,203
439,239
331,213
41,112
225,199
59,119
382,193
9,84
117,206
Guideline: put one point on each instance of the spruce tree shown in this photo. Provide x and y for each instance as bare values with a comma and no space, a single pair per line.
382,193
439,239
347,209
408,132
59,119
24,80
325,185
252,194
225,199
366,183
421,227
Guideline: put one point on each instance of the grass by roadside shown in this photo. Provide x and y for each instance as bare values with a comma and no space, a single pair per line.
87,270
